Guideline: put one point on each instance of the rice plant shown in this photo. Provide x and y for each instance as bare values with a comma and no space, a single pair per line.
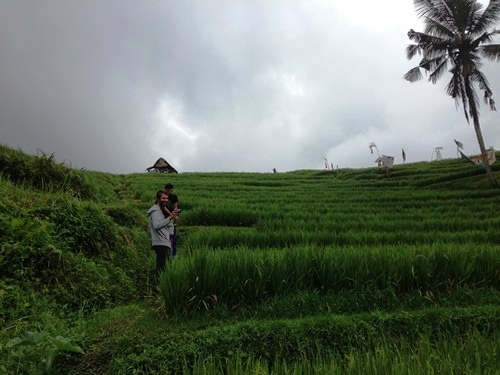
245,276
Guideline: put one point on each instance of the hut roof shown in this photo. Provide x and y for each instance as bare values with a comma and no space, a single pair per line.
163,166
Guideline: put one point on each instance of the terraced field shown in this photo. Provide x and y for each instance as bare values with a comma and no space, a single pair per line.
310,272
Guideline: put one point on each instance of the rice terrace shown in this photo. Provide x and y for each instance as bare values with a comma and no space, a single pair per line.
349,271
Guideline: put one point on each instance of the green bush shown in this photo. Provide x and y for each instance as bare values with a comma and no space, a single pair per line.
42,172
126,216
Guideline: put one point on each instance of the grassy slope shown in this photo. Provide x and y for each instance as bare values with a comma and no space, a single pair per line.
139,335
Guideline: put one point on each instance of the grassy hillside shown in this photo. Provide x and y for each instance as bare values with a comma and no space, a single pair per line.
346,271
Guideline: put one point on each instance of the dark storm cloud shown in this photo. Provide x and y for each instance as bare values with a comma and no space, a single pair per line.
219,86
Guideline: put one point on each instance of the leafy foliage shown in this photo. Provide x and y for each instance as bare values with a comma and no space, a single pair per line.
43,173
59,248
41,345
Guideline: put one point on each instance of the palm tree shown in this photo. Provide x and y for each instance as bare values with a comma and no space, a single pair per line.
456,35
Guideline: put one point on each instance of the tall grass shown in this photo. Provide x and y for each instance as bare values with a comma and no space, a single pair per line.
246,277
473,355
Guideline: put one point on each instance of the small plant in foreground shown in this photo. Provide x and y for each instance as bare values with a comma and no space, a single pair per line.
42,346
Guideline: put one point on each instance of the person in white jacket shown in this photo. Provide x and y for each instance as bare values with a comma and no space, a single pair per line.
160,225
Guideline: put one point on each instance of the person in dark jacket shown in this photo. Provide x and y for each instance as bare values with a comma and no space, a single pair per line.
173,200
173,204
160,225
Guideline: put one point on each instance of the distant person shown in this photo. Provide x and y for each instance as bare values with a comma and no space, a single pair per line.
160,225
173,204
173,201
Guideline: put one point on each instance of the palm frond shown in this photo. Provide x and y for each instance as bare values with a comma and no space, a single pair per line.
483,38
412,50
423,7
438,29
415,36
465,15
425,64
488,100
438,61
490,51
438,67
436,50
413,74
429,45
488,18
456,89
484,86
424,38
437,11
480,79
492,104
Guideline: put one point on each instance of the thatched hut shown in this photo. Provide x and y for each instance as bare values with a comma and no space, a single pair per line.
162,166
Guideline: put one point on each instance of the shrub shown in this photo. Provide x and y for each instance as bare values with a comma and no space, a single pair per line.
43,173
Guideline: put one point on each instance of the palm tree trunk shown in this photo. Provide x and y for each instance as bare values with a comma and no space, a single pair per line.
479,134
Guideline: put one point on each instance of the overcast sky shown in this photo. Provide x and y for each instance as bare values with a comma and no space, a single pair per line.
223,85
